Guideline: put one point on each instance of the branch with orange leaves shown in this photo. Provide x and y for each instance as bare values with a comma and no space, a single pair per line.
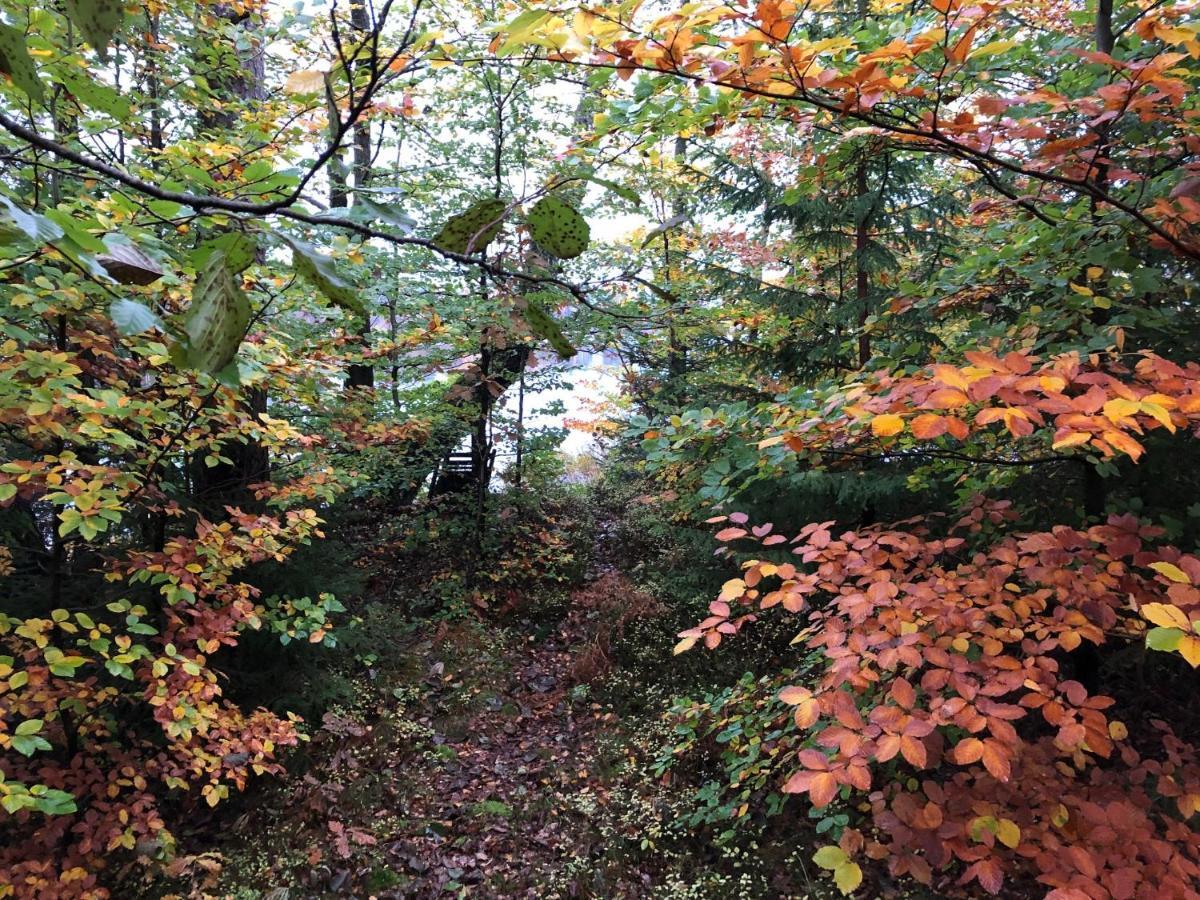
1097,403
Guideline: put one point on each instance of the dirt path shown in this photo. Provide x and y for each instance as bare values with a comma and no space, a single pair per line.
489,806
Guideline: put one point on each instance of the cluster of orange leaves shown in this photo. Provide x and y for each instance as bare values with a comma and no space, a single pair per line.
1099,403
948,48
943,704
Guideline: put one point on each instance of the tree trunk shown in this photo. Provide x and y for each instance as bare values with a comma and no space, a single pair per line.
360,375
227,484
862,280
505,368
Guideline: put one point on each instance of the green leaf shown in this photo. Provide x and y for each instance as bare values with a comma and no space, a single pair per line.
216,319
257,171
829,857
473,230
16,62
1163,638
520,28
94,94
97,20
29,726
367,210
32,226
320,271
558,228
619,189
29,744
240,249
56,803
544,326
77,231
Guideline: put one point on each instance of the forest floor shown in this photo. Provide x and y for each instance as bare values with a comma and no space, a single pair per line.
472,760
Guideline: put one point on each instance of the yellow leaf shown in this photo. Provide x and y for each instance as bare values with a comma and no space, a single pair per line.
1008,833
847,876
1074,439
992,48
684,645
306,81
1120,408
1159,414
1117,730
830,857
1166,615
732,589
1080,289
1172,572
583,23
1189,649
887,425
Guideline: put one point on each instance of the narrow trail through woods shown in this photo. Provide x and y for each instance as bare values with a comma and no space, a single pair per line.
528,744
469,764
505,765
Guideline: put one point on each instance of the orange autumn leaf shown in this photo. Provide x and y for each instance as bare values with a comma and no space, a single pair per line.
946,398
887,425
928,426
967,751
822,789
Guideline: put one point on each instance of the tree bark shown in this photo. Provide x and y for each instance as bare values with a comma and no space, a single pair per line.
361,375
227,484
862,279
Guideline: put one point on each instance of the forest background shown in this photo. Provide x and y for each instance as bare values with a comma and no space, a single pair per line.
299,591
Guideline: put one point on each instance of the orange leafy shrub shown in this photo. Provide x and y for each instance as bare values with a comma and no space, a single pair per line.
943,703
1101,403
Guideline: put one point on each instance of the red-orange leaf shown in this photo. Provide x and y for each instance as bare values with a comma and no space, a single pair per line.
929,426
822,789
996,760
913,750
967,751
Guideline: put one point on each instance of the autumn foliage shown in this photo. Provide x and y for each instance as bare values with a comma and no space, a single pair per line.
66,673
1103,403
942,700
883,253
943,703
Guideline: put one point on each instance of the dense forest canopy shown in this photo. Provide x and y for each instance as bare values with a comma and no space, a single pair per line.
900,302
